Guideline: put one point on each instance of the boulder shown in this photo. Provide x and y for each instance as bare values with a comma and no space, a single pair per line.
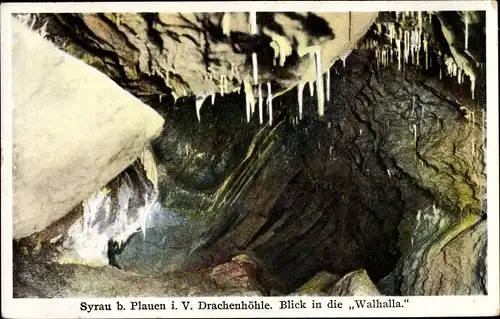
74,130
318,285
355,283
239,276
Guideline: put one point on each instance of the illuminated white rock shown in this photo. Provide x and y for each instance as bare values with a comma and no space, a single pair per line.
66,145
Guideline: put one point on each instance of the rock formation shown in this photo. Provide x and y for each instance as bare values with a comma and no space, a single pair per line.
319,146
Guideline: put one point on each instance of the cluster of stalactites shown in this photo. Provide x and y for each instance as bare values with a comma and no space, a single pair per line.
253,87
282,49
405,41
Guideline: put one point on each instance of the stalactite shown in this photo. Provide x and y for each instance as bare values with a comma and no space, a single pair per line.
276,51
253,22
426,49
311,88
221,85
255,69
198,103
472,84
466,30
300,90
415,135
226,24
328,84
270,103
420,21
319,84
249,98
213,97
261,111
398,50
345,56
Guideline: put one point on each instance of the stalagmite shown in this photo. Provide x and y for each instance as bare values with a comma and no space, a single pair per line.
199,102
255,69
261,111
300,90
466,30
328,85
270,103
253,22
319,84
226,24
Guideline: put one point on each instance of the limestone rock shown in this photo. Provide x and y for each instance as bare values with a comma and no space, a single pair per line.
74,130
356,283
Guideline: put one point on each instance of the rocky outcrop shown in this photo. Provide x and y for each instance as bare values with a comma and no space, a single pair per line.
449,258
356,283
73,131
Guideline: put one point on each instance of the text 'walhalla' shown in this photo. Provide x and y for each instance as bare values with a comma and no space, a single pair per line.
377,303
